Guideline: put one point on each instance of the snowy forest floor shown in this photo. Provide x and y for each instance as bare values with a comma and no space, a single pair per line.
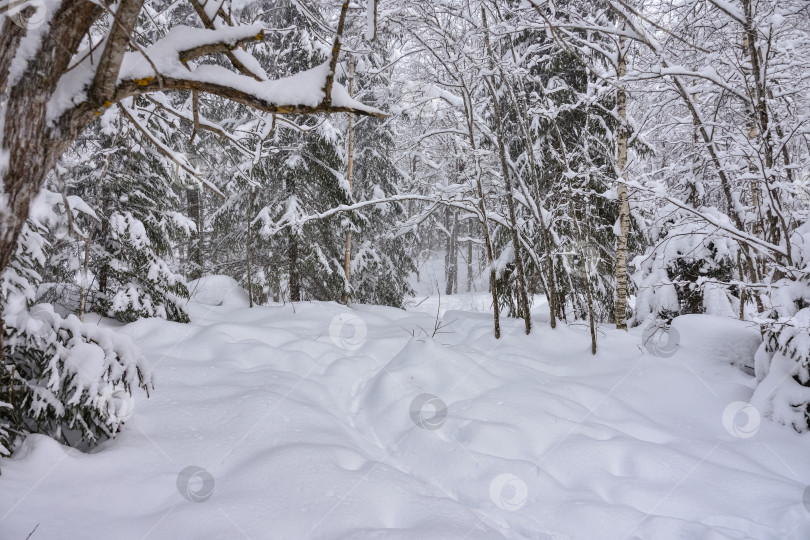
305,420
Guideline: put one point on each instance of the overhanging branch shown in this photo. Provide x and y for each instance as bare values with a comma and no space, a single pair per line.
134,88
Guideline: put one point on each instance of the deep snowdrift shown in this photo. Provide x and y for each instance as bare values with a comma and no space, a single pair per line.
311,421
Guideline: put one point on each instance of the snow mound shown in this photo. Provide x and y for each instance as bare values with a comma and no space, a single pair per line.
723,339
218,291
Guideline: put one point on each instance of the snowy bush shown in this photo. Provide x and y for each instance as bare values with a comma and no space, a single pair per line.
59,376
783,360
690,269
783,372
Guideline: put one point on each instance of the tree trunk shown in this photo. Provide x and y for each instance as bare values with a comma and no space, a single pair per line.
545,234
469,256
621,188
292,255
759,130
455,253
195,243
482,208
589,299
347,259
451,259
247,247
522,295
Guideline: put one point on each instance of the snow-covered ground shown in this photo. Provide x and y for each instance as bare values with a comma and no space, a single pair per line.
322,421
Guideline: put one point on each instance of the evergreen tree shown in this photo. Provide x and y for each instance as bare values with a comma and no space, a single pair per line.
380,264
123,268
62,377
